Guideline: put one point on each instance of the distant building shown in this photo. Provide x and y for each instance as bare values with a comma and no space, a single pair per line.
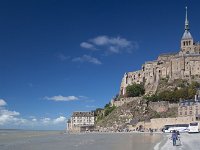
184,64
81,121
189,108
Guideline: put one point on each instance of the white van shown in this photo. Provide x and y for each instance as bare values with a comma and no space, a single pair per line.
193,127
177,127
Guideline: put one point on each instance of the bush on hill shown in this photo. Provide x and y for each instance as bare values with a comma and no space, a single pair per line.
135,90
177,94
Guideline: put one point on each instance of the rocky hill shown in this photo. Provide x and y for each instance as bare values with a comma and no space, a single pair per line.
146,107
131,113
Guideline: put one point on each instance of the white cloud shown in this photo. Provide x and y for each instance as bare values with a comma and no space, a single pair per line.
9,113
7,116
49,121
59,120
62,98
62,57
34,120
2,102
87,58
87,45
12,119
111,44
45,120
101,40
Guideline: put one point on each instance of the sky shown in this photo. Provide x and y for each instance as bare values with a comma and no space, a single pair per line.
60,56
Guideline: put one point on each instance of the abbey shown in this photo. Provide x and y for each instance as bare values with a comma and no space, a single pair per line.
184,64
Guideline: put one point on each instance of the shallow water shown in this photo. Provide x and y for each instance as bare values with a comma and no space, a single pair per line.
56,140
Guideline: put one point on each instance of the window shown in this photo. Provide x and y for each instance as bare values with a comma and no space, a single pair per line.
181,113
186,113
190,112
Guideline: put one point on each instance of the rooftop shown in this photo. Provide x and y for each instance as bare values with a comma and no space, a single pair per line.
186,35
189,102
83,114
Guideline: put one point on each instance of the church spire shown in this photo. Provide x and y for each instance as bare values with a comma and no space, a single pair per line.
186,20
187,34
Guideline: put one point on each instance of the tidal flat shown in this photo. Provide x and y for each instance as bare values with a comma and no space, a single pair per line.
58,140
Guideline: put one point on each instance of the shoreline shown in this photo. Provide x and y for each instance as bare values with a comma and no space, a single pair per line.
97,140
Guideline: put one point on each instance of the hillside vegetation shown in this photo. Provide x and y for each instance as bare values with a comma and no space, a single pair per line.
174,91
135,110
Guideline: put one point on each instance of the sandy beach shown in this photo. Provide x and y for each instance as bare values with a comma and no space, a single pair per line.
57,140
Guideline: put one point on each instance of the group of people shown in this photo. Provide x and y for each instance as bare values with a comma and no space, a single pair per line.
175,137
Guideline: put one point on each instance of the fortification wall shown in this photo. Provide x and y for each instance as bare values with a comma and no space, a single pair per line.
172,66
159,123
125,100
162,106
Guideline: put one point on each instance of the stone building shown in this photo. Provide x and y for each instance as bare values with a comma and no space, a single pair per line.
81,121
190,107
184,64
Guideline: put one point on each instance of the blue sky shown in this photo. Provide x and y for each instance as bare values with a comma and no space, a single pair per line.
60,56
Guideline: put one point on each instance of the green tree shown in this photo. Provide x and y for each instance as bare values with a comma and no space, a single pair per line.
153,97
135,90
108,110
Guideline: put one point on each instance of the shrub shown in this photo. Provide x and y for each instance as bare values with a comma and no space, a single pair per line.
135,90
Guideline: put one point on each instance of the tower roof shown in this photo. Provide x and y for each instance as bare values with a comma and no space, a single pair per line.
186,34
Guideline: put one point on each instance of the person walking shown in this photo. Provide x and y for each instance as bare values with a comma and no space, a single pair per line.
174,137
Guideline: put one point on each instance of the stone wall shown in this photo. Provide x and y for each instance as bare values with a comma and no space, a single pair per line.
159,123
172,105
161,106
122,101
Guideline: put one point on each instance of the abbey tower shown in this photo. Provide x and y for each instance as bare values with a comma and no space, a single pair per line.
184,64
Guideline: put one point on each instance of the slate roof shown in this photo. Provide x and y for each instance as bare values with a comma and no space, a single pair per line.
189,102
83,114
186,35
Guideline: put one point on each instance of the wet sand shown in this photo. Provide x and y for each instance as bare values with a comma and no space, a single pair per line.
48,140
188,142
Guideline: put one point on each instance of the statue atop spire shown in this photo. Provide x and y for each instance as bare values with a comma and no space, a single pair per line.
186,20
